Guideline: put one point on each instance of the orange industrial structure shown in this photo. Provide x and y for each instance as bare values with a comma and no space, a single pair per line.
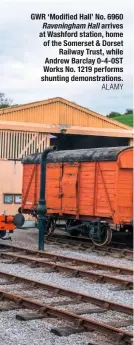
82,184
28,128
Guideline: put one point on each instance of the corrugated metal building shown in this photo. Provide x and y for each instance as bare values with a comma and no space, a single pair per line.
30,127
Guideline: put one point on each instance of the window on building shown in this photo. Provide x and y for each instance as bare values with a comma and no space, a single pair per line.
8,198
12,198
17,198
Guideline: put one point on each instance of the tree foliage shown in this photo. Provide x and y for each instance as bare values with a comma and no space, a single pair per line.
4,101
129,111
113,114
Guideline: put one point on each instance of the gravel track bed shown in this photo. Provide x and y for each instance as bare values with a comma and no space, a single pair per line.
86,268
110,315
34,294
100,257
99,271
128,329
29,239
105,291
68,263
37,332
37,295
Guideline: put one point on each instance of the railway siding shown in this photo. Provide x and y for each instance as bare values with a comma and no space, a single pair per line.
81,310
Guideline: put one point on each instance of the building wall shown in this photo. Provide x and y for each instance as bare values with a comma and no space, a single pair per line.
15,144
10,183
59,111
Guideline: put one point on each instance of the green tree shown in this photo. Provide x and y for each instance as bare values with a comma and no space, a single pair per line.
129,111
113,114
4,101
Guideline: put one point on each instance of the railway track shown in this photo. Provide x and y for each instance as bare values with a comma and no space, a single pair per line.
85,244
62,309
75,296
75,267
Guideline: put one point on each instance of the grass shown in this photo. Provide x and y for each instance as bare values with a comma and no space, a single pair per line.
126,119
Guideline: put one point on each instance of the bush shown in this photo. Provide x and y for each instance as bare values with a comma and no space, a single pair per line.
113,114
129,111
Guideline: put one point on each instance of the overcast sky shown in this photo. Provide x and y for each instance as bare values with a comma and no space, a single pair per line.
22,54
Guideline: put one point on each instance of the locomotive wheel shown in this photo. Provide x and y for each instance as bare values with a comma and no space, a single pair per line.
106,236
